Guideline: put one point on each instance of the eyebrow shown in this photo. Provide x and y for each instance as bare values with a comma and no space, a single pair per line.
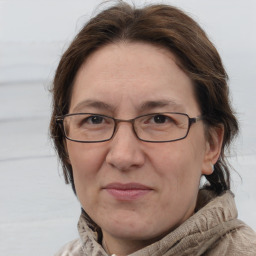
93,104
149,105
145,106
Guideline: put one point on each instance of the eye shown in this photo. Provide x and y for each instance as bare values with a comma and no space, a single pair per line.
90,120
160,119
157,120
95,119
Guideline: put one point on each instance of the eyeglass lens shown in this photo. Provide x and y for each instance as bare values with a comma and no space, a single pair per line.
151,127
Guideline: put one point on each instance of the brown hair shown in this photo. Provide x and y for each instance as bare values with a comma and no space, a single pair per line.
167,27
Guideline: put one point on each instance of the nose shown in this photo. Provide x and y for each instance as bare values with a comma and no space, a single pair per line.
125,152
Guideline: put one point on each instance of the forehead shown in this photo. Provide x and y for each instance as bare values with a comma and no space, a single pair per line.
132,73
117,59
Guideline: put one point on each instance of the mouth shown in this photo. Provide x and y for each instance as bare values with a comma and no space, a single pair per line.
128,191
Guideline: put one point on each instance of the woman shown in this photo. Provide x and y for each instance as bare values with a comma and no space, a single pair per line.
141,113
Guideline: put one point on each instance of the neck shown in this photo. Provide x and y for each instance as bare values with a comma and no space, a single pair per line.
121,247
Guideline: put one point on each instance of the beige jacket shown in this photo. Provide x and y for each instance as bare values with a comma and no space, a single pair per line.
213,230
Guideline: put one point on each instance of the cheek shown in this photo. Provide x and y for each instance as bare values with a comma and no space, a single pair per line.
179,163
86,161
85,158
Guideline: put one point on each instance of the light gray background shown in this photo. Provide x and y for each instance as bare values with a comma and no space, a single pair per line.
38,212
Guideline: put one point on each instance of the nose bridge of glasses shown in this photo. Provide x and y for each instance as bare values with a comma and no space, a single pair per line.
117,121
131,121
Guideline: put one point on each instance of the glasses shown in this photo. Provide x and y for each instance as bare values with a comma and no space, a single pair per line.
156,127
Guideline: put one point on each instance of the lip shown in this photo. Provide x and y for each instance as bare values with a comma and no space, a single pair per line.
127,191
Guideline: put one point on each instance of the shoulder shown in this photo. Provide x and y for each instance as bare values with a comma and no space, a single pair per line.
239,242
73,248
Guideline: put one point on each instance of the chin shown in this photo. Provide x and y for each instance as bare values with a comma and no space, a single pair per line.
134,229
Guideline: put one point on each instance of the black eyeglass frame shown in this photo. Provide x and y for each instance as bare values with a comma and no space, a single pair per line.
191,120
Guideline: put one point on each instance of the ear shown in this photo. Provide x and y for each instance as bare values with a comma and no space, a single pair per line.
213,149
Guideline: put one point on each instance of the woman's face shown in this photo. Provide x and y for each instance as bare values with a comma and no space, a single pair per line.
137,190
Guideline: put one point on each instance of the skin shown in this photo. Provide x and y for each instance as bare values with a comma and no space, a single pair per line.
125,76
